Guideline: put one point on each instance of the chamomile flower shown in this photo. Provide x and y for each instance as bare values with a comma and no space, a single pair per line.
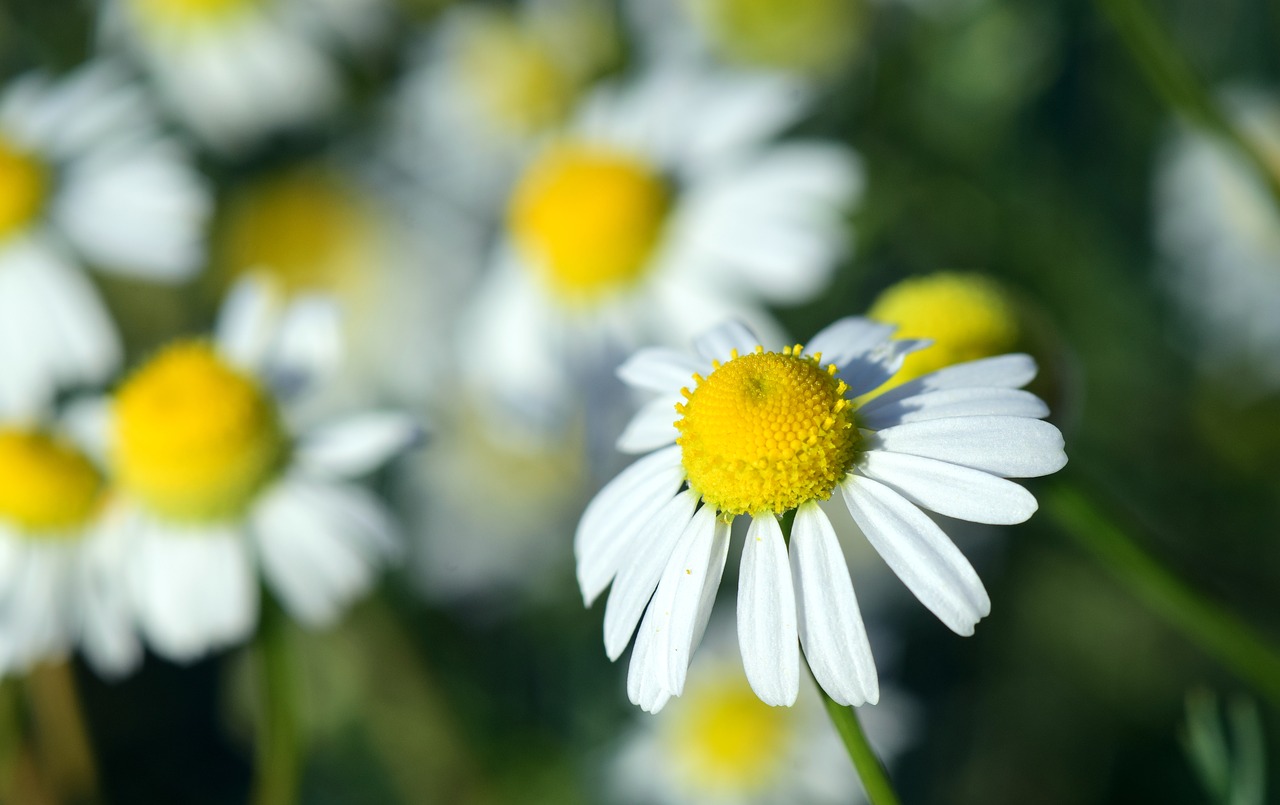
236,70
664,208
60,579
215,484
85,177
740,430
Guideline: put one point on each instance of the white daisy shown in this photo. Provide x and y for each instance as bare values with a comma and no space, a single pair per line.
85,177
1218,232
663,209
721,744
766,434
214,482
59,562
236,70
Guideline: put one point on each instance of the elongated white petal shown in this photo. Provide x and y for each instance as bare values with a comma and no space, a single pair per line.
1002,371
848,338
357,445
831,629
873,370
916,549
719,343
950,489
652,427
645,684
637,580
948,403
1012,447
767,615
247,322
661,369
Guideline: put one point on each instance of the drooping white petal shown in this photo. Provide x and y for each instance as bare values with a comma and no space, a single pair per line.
661,369
950,489
357,445
104,620
719,343
1002,371
1013,447
652,427
848,338
947,403
767,631
308,344
638,579
919,552
831,629
646,685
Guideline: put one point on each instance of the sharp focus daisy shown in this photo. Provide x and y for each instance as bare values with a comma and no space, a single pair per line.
236,70
59,563
741,431
664,208
214,484
85,177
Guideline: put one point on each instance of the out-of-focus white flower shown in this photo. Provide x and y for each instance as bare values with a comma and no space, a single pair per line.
85,178
663,209
1218,232
721,744
60,565
236,70
214,482
767,434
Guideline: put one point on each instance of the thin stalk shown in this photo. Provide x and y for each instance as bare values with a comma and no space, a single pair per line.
63,748
1211,627
279,755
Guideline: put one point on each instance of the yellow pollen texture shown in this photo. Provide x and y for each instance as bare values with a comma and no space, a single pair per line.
195,439
729,739
47,486
767,431
589,219
24,184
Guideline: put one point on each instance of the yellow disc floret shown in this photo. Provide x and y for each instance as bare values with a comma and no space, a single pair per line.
968,317
195,438
807,35
589,219
513,76
24,184
47,486
766,432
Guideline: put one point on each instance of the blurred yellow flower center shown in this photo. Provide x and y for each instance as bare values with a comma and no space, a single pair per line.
766,432
24,185
47,486
514,77
810,35
967,315
195,438
589,219
188,12
729,739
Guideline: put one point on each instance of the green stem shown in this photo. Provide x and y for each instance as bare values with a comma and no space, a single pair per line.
279,758
1174,80
870,770
1213,628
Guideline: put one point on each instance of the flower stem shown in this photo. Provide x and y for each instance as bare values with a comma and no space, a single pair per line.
875,780
63,748
279,761
1173,79
1213,628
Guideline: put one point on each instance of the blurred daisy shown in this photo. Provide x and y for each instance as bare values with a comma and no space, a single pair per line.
213,481
235,70
661,210
60,580
85,177
1218,232
769,435
721,744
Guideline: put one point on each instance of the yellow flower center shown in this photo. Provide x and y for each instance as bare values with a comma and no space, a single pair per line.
968,316
514,77
809,35
767,431
47,486
589,219
24,185
188,13
729,740
195,439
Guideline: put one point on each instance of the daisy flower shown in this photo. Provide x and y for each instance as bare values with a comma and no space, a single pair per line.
236,70
85,177
662,209
59,562
743,431
215,483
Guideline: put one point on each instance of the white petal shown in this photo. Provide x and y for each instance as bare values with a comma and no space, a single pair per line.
357,445
947,403
308,346
646,686
247,322
661,369
950,489
1009,446
848,338
916,549
872,370
638,579
106,627
831,629
719,343
652,427
767,631
682,604
1002,371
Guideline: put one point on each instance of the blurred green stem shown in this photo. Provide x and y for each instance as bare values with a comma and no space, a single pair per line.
870,770
1213,628
279,761
1177,84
